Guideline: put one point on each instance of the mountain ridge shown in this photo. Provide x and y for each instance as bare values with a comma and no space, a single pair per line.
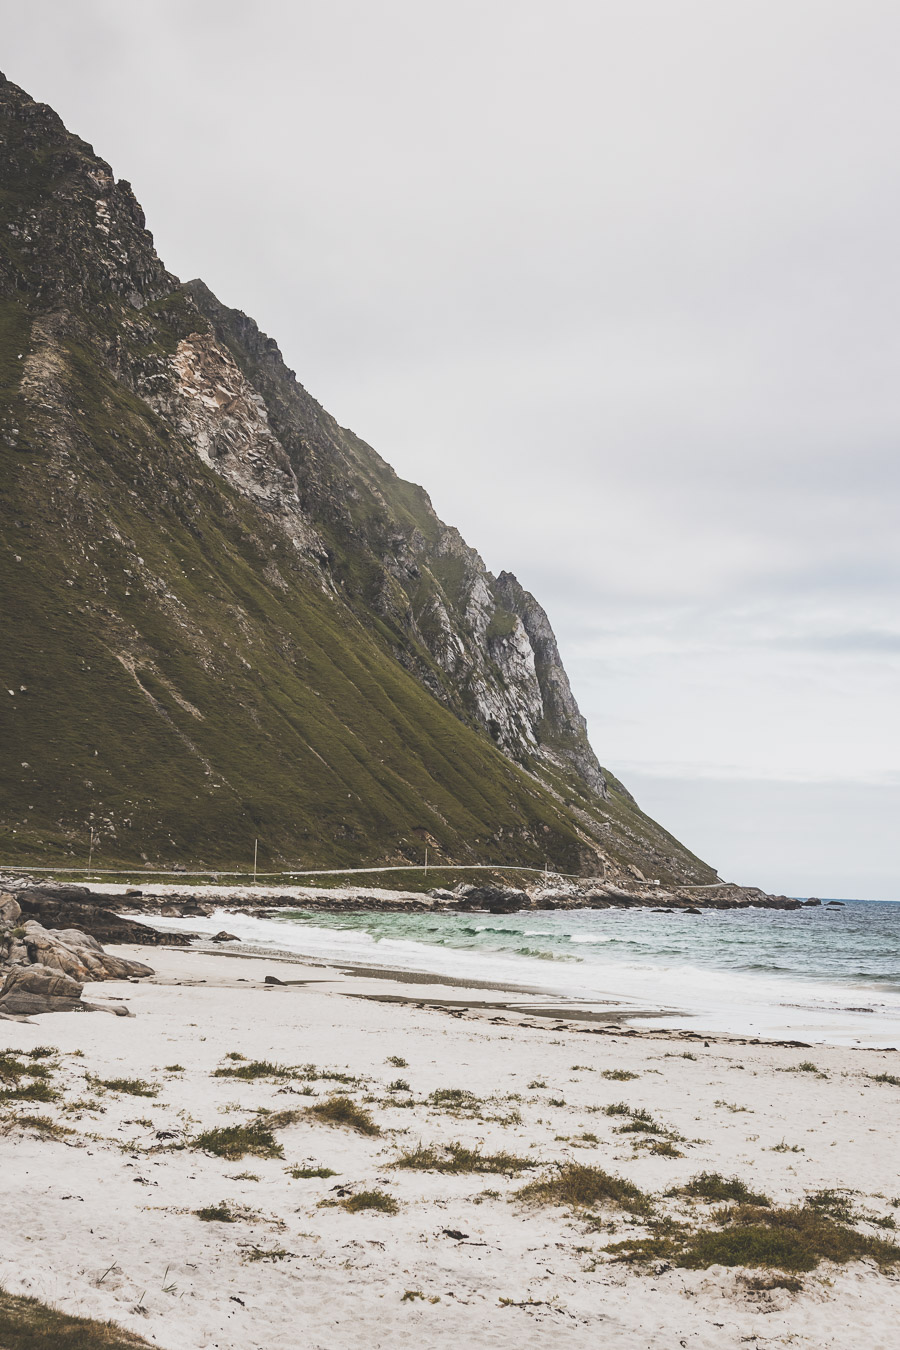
283,625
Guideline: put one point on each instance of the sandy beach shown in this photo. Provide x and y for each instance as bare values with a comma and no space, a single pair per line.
103,1221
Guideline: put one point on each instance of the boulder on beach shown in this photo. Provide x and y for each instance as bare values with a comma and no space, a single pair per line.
38,989
45,971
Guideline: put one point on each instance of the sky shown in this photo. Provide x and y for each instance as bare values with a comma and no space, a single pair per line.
619,284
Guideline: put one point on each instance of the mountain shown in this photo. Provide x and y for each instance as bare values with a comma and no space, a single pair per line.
225,616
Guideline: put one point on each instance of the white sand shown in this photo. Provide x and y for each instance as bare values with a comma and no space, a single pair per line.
103,1226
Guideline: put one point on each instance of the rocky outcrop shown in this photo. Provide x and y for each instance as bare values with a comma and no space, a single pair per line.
493,899
43,971
67,907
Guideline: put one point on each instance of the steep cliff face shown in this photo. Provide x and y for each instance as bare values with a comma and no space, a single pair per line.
480,644
227,614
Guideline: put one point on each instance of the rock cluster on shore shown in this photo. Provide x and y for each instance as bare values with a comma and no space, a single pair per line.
45,970
553,893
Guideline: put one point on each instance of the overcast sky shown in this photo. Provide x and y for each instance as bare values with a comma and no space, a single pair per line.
619,284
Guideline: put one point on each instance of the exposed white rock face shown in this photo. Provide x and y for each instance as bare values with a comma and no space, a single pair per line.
447,648
226,422
568,742
209,402
514,656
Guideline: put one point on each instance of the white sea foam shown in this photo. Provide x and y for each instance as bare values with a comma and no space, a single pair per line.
738,1002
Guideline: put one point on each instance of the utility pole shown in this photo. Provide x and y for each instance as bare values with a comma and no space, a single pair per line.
426,860
91,849
255,847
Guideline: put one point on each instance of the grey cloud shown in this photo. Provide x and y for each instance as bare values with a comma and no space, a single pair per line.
852,643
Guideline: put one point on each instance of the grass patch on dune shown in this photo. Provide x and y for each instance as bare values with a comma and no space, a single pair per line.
582,1187
308,1173
313,1074
457,1157
805,1066
256,1068
619,1075
132,1087
29,1092
836,1204
13,1067
377,1200
337,1110
22,1078
40,1125
660,1148
884,1078
714,1187
27,1324
278,1120
237,1141
793,1240
459,1100
639,1121
216,1214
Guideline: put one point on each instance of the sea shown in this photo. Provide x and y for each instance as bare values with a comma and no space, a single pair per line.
821,975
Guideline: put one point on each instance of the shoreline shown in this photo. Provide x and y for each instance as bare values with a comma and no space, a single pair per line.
616,1016
706,1000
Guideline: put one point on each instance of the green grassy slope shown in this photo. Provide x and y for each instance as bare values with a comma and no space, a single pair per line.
167,691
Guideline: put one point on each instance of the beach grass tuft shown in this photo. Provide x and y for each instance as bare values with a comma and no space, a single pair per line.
713,1186
456,1100
41,1125
256,1068
132,1087
337,1110
377,1200
38,1091
236,1141
456,1157
216,1214
754,1237
836,1204
582,1187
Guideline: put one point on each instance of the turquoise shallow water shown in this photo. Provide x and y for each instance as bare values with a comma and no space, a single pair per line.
813,974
